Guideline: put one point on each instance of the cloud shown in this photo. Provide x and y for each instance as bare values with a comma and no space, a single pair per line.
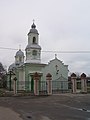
62,24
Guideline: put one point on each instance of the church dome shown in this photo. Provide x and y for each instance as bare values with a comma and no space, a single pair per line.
33,26
12,66
19,53
33,29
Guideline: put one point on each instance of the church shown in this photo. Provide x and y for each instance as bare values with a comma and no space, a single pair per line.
25,70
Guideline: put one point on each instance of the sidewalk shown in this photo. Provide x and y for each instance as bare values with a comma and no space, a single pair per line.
8,114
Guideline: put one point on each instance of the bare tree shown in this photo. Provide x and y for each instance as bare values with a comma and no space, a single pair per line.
3,76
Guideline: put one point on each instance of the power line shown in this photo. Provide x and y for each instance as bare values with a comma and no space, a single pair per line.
49,51
8,48
67,51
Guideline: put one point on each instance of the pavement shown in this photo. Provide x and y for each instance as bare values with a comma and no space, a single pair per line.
55,107
8,114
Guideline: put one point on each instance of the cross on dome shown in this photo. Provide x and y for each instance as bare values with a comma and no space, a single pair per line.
33,20
55,56
19,47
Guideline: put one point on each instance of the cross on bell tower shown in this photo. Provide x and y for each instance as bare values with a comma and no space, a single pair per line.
33,20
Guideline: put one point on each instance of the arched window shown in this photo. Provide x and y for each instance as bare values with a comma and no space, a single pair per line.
34,40
34,52
20,59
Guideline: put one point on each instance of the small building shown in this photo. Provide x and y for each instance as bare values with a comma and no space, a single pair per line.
24,70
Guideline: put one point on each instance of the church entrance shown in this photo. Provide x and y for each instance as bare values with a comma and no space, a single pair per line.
37,86
32,84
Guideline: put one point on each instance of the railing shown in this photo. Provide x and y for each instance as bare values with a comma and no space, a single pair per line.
57,86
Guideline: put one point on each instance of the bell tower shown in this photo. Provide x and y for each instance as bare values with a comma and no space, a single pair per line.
33,49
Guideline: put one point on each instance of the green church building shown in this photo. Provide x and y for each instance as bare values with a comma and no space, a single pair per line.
25,70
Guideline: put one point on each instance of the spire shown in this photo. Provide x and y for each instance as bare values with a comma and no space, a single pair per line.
33,29
33,25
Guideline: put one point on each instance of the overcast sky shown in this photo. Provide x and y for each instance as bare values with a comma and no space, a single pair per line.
63,25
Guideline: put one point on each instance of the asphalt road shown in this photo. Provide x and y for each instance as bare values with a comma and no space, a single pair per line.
55,107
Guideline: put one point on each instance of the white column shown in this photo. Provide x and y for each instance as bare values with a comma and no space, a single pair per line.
83,85
36,87
36,84
15,86
74,84
49,83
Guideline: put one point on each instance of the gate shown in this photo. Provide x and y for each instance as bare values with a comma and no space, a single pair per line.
42,87
28,87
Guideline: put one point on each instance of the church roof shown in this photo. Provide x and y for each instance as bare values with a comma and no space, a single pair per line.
36,46
33,29
12,66
19,53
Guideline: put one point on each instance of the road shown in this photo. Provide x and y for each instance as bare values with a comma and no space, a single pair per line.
55,107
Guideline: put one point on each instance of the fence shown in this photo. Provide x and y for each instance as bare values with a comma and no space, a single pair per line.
88,86
60,86
3,83
57,86
42,86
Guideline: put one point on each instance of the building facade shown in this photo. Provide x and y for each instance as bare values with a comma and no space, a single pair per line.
24,70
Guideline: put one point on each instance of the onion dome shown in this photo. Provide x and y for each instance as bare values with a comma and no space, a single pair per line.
33,26
33,29
19,53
